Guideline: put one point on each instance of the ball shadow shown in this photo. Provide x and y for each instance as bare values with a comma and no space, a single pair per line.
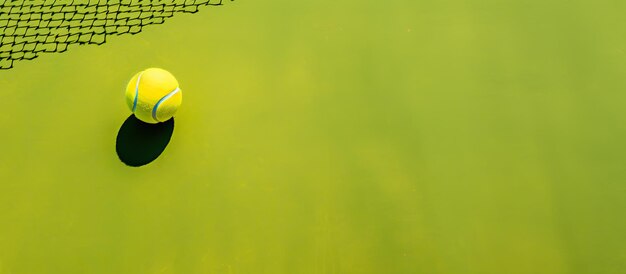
140,143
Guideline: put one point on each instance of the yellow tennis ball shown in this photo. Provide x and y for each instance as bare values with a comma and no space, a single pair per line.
153,95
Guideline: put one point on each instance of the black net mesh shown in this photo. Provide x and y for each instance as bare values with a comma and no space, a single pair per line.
29,28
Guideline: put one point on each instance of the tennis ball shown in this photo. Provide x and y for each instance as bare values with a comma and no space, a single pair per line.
153,95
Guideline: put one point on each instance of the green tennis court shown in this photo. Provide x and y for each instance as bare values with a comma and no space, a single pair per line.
475,137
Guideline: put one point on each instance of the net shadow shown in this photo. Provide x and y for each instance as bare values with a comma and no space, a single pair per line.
29,28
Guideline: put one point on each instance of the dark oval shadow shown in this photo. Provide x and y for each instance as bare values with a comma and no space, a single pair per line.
140,143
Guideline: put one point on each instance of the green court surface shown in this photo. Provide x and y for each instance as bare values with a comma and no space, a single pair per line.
414,136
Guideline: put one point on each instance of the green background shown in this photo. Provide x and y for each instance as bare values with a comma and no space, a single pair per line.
330,137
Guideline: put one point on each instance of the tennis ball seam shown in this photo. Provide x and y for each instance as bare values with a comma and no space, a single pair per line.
136,92
156,106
